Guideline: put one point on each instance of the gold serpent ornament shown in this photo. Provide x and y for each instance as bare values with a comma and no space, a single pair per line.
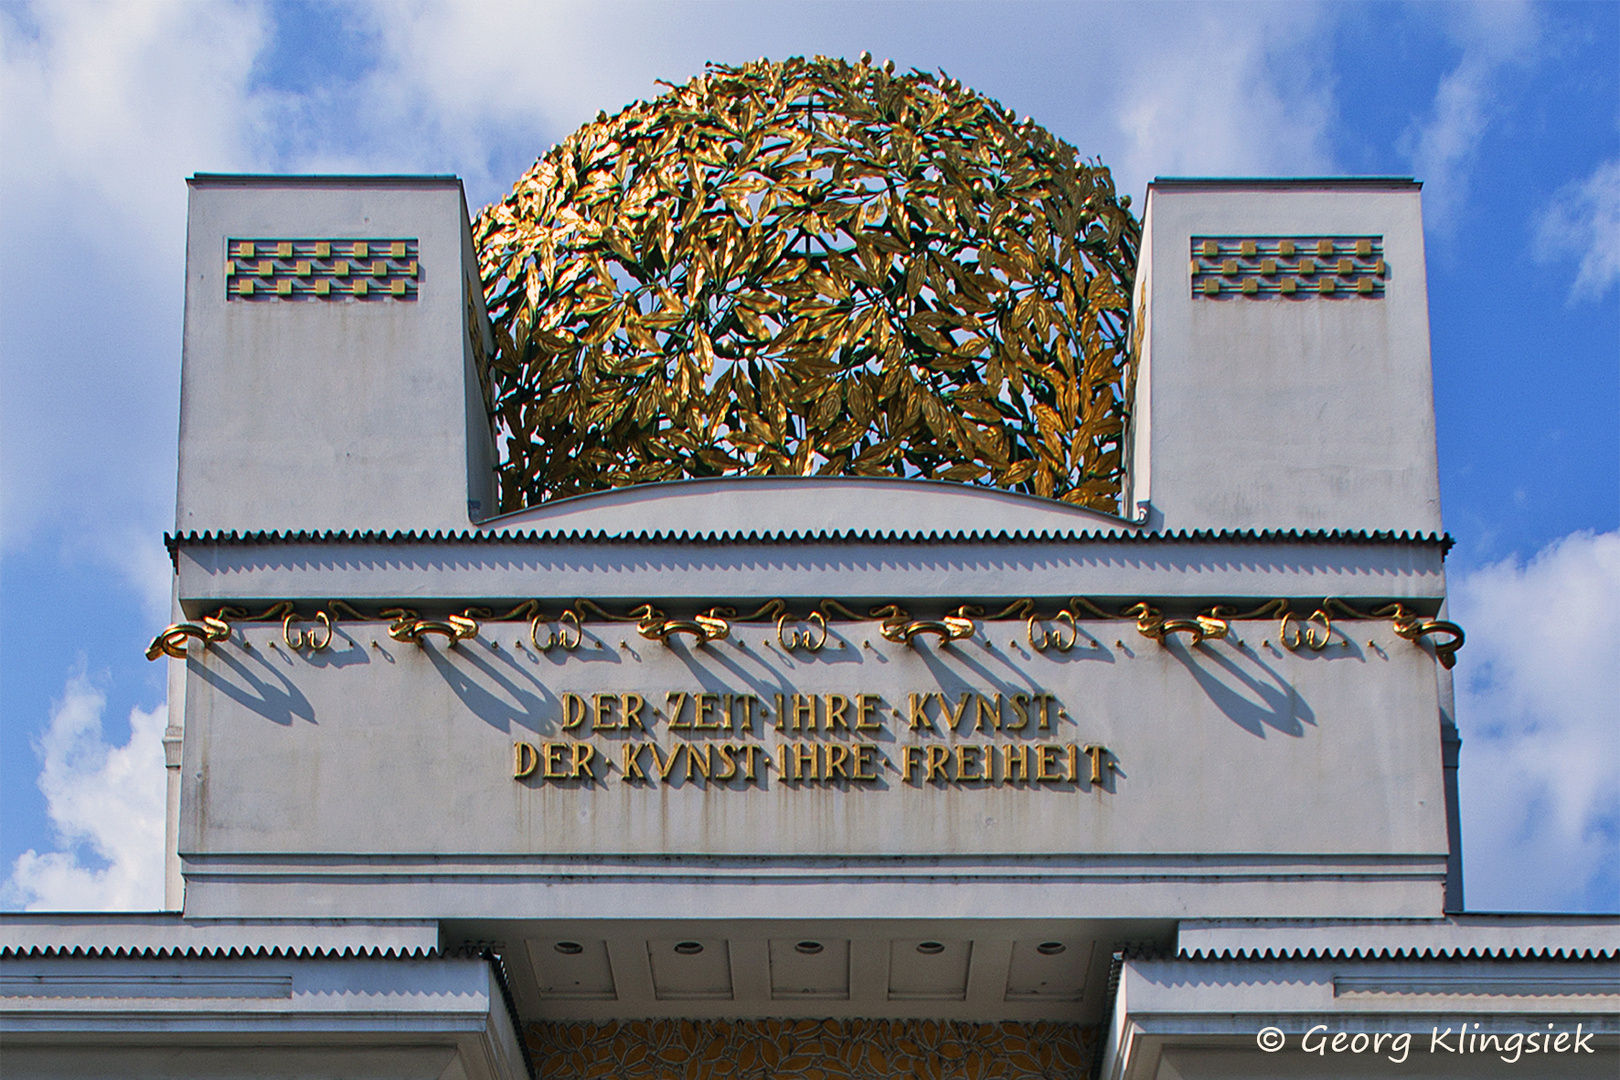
810,267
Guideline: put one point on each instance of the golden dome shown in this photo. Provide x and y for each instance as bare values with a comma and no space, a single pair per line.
810,267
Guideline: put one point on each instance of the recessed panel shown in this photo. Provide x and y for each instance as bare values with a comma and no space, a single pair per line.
810,968
572,968
1052,969
929,969
690,969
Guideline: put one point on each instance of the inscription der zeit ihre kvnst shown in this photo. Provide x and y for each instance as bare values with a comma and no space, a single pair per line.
717,740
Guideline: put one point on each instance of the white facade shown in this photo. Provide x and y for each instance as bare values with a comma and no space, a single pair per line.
520,842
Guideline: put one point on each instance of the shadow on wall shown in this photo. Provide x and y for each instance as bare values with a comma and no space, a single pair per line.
1246,689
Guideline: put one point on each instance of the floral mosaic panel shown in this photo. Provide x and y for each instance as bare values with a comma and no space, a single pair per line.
811,1050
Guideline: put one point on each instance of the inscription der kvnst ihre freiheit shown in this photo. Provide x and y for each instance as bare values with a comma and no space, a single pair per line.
717,739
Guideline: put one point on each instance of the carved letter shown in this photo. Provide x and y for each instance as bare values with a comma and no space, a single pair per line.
603,705
573,710
909,756
697,762
866,761
724,767
584,759
983,707
525,759
1015,764
836,766
676,700
552,759
631,708
1020,710
937,757
804,760
665,766
865,706
1097,754
1045,703
957,713
917,709
630,757
837,712
704,705
804,713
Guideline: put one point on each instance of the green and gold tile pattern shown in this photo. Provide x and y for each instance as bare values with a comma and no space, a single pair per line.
372,270
1288,267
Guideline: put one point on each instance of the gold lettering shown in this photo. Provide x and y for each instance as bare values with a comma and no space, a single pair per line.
917,710
525,759
982,707
603,705
1046,761
1097,754
781,714
836,765
676,700
573,710
748,769
747,701
703,706
725,767
1074,763
937,757
836,711
804,758
966,762
697,763
630,709
665,766
865,760
865,706
725,711
1015,764
584,758
957,713
906,761
630,757
804,713
552,755
1045,703
1020,709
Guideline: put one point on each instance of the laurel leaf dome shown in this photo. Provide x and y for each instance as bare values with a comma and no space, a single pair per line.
810,267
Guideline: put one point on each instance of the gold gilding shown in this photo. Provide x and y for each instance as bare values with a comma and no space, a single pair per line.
802,317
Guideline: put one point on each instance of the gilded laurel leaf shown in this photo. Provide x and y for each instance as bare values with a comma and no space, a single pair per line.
810,267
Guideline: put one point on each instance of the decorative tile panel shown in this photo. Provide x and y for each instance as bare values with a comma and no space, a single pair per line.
1288,267
373,269
806,1049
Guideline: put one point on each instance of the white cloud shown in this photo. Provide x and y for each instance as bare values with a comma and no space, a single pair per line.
541,70
1442,145
1538,704
1583,221
105,802
1212,93
105,109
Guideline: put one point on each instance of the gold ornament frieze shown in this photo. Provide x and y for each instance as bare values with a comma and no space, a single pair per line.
810,267
1053,631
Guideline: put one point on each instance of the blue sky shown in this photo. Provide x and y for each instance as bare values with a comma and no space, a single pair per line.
1509,113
